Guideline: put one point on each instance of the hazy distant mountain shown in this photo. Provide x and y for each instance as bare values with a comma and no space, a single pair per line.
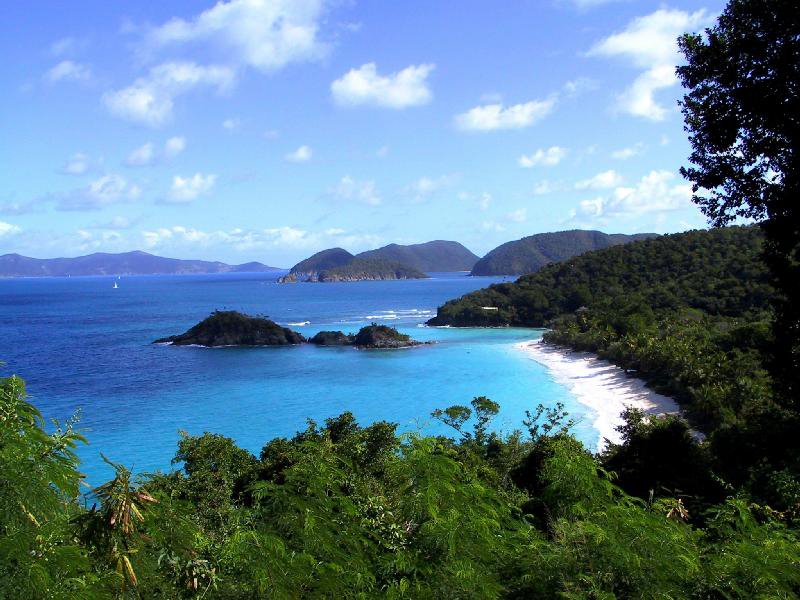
438,255
126,263
533,252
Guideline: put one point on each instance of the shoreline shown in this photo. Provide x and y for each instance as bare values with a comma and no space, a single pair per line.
599,385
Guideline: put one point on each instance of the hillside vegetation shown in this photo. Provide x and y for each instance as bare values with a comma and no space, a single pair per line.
531,253
436,256
719,272
344,511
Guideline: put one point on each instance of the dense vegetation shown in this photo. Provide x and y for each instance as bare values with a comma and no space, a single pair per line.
436,256
690,313
719,272
531,253
345,511
322,261
232,328
360,269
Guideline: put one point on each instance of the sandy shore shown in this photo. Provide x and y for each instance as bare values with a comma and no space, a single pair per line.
600,385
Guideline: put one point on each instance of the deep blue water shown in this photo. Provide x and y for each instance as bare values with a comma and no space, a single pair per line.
80,344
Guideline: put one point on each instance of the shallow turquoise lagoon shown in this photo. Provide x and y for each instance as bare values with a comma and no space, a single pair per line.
82,345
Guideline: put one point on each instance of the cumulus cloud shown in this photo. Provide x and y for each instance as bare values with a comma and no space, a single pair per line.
104,191
68,70
491,117
351,189
232,124
67,46
77,164
141,156
147,154
627,152
150,99
544,157
654,193
601,181
8,229
518,216
187,189
302,154
365,86
425,187
649,43
174,146
264,34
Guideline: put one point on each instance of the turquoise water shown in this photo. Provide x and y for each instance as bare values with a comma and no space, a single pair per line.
82,345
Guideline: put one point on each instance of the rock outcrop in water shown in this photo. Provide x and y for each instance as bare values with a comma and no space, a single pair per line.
332,338
382,337
232,328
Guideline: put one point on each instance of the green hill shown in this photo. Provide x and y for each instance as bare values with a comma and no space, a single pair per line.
435,256
531,253
362,269
717,271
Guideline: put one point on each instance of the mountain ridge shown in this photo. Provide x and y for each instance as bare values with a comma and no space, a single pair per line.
135,262
531,253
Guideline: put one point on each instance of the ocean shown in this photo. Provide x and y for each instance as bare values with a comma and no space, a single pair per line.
82,345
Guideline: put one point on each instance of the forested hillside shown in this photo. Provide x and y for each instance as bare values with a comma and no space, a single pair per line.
718,271
439,255
344,511
531,253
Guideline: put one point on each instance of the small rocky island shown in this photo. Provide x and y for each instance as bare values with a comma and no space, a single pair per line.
232,328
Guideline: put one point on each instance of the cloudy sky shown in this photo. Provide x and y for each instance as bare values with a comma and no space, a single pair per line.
270,129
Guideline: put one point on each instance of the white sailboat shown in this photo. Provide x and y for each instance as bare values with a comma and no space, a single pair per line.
115,285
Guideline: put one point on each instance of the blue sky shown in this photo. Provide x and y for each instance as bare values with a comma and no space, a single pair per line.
268,130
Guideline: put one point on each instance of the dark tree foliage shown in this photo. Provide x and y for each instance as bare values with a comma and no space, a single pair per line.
742,113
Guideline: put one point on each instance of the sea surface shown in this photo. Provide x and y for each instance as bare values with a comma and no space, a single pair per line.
82,345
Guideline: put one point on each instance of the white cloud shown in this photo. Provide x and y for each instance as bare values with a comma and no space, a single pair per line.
146,154
656,192
150,99
8,229
174,146
547,187
364,86
271,134
141,156
492,226
106,190
649,43
232,124
302,154
544,157
78,164
518,216
601,181
186,189
359,191
628,152
264,34
68,70
382,152
424,187
491,117
484,201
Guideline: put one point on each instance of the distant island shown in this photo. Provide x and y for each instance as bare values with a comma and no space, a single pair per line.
387,263
531,253
231,328
125,263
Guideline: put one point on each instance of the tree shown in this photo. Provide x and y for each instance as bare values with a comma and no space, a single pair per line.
742,113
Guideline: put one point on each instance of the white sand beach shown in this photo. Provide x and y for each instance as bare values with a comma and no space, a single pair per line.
600,385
